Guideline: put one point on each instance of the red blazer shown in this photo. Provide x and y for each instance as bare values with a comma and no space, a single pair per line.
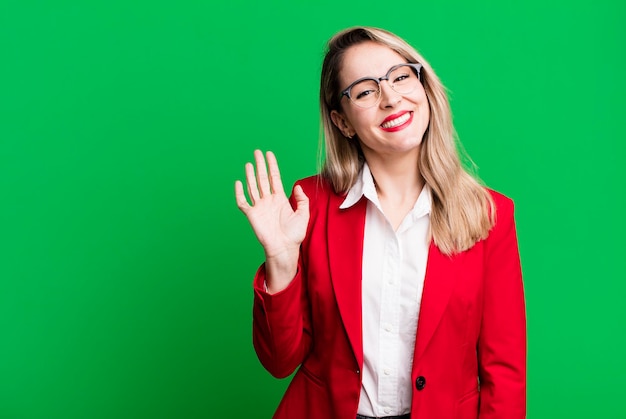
470,349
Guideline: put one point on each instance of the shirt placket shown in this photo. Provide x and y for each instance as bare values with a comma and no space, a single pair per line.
389,326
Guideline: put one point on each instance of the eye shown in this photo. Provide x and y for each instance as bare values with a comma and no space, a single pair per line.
365,93
364,89
401,77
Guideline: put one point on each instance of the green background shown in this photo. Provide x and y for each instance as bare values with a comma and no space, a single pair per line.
125,266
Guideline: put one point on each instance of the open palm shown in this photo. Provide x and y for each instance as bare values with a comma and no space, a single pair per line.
279,228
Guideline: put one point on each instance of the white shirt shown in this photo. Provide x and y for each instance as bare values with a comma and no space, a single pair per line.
394,265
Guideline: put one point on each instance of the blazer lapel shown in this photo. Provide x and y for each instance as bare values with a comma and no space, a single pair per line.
345,254
439,281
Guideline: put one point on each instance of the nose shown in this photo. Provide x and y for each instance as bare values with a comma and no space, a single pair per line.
388,97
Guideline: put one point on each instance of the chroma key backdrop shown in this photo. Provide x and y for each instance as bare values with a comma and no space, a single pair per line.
125,266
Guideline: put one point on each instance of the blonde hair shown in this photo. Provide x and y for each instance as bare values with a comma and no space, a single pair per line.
462,211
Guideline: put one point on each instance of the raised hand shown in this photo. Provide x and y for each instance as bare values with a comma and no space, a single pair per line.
279,228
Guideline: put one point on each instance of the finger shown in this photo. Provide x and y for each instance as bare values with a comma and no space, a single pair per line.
261,174
275,181
302,201
240,197
253,190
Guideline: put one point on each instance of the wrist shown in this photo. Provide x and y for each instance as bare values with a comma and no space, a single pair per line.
281,268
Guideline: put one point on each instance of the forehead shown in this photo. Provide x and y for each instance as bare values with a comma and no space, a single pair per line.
368,59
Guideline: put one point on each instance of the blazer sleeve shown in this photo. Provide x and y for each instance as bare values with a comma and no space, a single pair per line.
281,326
502,339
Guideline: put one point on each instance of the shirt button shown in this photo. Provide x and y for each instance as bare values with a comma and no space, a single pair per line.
387,327
387,371
387,410
420,383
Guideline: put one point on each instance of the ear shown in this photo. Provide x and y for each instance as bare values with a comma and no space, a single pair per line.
342,123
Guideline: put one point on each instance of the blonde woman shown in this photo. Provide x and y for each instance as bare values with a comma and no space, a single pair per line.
392,280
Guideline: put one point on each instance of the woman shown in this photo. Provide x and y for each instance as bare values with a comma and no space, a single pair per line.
392,280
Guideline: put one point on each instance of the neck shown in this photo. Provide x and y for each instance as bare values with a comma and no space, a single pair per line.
397,179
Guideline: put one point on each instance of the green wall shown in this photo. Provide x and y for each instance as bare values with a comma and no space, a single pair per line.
125,266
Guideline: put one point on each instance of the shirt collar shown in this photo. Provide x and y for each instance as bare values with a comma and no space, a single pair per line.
364,186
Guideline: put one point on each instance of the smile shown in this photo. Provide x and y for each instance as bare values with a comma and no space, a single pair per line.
396,122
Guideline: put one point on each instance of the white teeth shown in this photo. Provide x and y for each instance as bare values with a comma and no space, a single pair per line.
398,121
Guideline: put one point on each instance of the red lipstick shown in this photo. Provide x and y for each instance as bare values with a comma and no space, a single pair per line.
406,121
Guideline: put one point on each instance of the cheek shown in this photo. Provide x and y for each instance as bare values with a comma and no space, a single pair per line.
427,111
361,119
425,104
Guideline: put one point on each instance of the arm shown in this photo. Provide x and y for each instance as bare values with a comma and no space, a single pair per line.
281,325
280,304
502,340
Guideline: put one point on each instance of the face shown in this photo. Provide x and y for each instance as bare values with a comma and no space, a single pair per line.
397,123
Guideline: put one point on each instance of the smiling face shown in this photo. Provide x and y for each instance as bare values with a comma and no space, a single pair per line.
394,126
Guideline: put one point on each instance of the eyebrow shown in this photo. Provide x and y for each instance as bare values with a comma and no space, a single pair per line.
378,78
373,77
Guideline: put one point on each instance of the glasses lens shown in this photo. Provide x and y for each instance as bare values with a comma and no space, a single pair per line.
365,93
403,79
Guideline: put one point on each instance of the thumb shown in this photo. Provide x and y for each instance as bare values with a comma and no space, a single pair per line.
302,201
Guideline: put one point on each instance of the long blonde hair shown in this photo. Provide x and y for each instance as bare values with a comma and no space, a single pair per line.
463,211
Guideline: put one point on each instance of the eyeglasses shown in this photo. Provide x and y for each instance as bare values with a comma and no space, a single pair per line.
402,78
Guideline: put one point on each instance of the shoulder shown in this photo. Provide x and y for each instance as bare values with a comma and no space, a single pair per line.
504,225
504,206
